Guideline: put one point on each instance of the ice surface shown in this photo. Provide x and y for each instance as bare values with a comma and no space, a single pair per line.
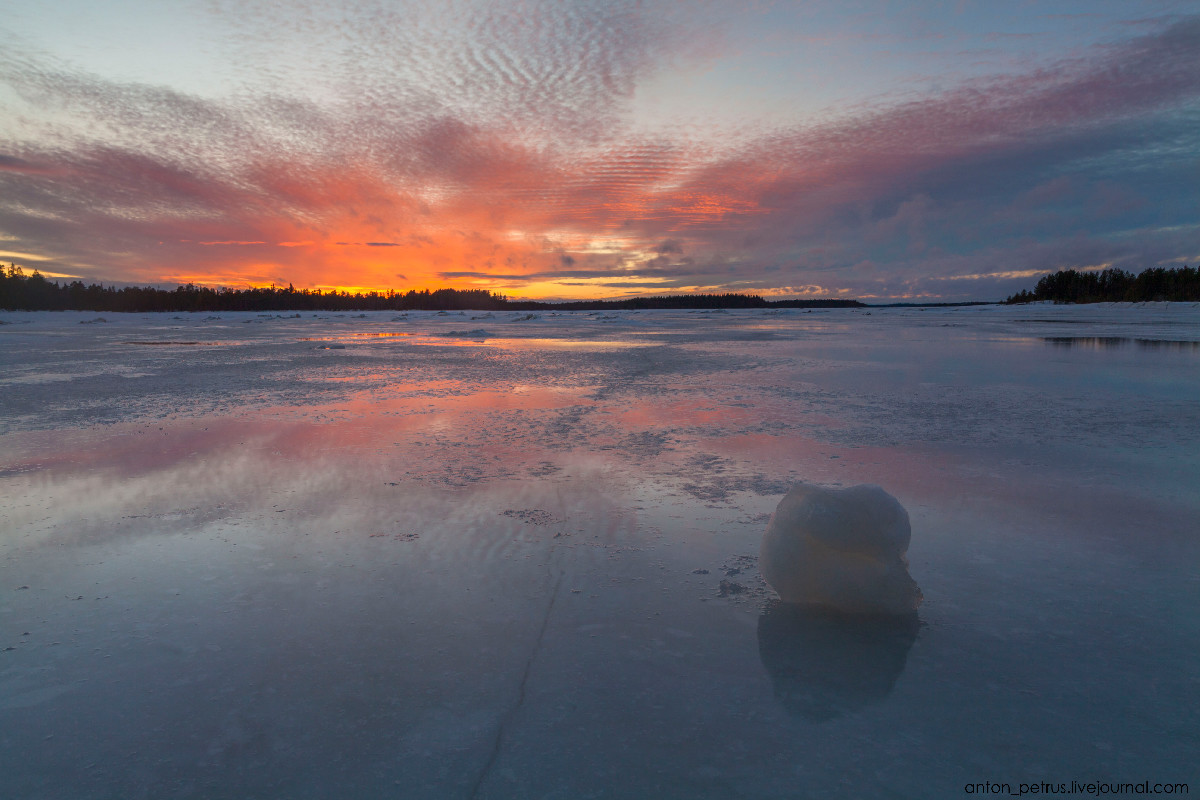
842,549
429,566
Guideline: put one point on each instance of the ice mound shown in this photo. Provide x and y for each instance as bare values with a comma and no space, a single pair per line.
841,549
478,333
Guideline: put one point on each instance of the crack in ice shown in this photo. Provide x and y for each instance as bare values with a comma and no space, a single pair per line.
498,743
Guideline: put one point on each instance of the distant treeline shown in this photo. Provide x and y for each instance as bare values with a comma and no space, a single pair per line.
1115,285
680,301
19,291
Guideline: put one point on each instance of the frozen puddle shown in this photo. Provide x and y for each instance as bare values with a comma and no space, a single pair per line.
429,566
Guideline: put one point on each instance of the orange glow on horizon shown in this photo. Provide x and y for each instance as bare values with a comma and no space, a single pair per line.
518,224
535,290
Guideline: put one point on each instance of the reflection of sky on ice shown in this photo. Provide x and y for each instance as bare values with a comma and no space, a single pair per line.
470,567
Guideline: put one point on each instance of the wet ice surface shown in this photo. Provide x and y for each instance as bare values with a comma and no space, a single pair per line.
434,556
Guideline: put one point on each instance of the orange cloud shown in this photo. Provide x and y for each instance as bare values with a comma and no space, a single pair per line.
534,186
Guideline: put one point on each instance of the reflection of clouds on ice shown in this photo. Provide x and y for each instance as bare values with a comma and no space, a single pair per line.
828,376
355,550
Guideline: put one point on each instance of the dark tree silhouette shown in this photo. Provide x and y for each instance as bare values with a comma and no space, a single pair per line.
19,291
1115,285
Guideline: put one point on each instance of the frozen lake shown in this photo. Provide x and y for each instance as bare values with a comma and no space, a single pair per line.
476,555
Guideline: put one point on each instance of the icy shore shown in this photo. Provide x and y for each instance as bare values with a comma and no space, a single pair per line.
362,555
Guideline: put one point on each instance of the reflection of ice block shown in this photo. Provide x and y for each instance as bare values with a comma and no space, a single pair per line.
840,548
824,663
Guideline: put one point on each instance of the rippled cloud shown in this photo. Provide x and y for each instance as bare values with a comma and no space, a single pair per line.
474,146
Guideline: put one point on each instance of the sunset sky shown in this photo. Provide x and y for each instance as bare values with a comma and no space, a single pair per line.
857,148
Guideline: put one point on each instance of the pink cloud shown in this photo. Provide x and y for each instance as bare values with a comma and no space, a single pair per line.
924,187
